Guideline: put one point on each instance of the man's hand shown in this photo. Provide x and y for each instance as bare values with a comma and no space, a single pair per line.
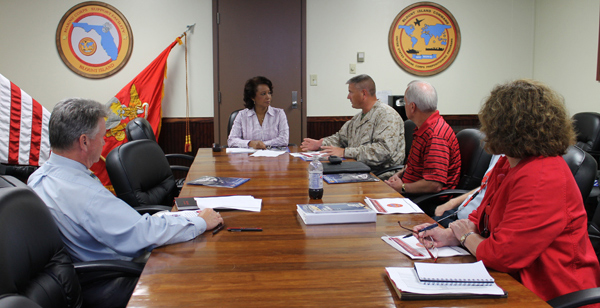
311,144
257,144
395,182
211,217
330,150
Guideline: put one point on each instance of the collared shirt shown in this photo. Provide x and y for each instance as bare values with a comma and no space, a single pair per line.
96,225
274,130
471,205
434,154
376,139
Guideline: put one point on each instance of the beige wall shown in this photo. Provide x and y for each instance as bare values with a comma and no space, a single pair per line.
551,40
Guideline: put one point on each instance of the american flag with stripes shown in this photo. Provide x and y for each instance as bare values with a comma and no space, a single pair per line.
23,127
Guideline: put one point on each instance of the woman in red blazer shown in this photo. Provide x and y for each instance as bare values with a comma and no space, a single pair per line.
531,223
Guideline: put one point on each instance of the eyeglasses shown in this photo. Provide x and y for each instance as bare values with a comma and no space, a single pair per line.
428,243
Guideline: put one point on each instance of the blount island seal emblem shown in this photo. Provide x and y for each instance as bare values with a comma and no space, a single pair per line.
424,39
94,39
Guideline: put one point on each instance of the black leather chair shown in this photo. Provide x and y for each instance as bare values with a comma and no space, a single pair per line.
17,301
141,176
474,162
409,129
232,117
587,127
34,262
140,128
576,299
583,166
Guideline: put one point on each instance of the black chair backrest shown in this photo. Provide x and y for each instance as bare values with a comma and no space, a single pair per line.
594,232
409,129
17,301
139,128
232,117
474,159
587,127
33,259
583,166
140,174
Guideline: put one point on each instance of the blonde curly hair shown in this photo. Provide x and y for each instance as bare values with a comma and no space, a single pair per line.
526,118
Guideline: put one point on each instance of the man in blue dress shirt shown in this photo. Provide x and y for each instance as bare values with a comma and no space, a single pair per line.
94,224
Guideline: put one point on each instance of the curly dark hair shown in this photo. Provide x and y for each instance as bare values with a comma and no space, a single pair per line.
250,89
526,118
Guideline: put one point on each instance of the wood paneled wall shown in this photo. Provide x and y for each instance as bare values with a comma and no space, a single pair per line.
172,135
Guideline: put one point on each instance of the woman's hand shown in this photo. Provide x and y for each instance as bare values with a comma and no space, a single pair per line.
462,227
257,144
441,237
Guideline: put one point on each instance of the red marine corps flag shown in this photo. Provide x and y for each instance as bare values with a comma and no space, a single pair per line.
23,127
142,97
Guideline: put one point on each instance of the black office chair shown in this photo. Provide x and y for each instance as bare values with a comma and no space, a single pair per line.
17,301
587,127
576,299
583,166
34,262
141,176
140,128
474,162
409,129
232,117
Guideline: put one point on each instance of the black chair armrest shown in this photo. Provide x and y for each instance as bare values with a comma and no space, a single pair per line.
384,170
151,209
420,199
94,271
184,156
576,299
121,266
180,168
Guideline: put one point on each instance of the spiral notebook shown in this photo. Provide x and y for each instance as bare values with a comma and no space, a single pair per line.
465,274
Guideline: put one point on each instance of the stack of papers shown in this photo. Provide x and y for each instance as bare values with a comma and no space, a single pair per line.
267,153
240,150
186,214
243,203
411,247
407,285
393,206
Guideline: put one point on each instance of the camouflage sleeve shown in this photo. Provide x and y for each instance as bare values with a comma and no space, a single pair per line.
386,146
339,139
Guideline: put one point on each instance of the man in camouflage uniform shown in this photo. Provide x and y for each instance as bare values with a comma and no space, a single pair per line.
374,136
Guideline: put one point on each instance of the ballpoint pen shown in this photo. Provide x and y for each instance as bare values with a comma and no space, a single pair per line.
218,228
243,229
430,226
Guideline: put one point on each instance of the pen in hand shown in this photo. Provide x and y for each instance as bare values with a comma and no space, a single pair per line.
218,228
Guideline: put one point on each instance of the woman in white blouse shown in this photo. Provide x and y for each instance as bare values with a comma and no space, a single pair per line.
259,125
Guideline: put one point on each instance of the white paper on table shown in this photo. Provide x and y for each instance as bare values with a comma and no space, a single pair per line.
243,203
406,280
239,150
411,247
393,206
267,153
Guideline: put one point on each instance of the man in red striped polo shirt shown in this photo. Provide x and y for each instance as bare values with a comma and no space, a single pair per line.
433,164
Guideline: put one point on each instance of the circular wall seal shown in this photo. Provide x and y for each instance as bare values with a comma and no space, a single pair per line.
94,39
424,39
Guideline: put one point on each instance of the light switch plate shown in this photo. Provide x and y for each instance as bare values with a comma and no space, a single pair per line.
352,68
313,80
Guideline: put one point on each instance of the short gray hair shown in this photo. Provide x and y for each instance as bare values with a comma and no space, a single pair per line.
363,82
72,118
423,94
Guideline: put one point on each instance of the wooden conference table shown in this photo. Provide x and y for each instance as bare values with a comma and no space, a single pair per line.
289,264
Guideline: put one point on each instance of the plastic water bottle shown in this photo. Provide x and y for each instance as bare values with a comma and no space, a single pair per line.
315,178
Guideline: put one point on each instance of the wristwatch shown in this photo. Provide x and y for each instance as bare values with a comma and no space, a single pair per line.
403,188
463,238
